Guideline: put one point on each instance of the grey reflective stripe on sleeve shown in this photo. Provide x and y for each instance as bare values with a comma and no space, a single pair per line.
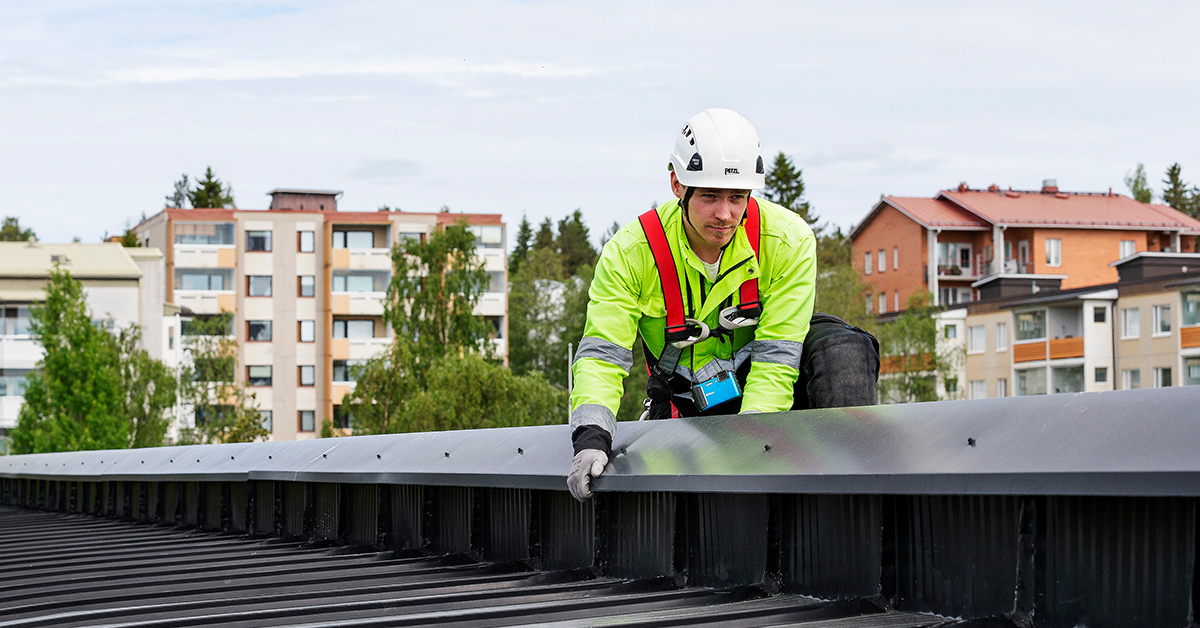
594,414
785,352
605,351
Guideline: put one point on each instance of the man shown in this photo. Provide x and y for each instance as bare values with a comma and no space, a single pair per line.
721,287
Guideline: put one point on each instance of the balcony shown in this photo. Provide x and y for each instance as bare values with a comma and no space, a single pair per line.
359,303
361,259
10,407
491,304
204,256
19,352
1064,348
1189,337
207,301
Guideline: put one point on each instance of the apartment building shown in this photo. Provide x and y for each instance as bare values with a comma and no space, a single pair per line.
305,283
122,287
957,243
1142,330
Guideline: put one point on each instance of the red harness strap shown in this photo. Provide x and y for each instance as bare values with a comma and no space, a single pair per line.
677,326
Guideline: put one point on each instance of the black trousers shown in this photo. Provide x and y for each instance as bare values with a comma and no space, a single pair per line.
838,367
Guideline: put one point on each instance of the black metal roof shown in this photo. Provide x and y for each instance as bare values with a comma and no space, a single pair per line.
71,570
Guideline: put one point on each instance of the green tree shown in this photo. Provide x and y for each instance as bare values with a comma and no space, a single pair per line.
74,399
545,236
148,391
574,245
210,192
535,315
609,233
179,197
1138,188
909,354
521,250
1178,194
785,186
225,412
11,231
431,299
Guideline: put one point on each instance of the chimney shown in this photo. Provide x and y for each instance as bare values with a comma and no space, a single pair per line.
962,187
1049,186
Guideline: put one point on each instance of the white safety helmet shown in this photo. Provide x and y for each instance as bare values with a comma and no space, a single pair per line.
718,148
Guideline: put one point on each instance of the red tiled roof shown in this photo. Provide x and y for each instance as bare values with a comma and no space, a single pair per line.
1069,210
933,212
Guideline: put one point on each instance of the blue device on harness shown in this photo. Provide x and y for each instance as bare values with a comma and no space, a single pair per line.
715,390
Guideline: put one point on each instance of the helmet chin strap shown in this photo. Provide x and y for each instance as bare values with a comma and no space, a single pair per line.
687,215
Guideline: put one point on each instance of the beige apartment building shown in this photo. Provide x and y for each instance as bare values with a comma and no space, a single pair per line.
305,284
1142,331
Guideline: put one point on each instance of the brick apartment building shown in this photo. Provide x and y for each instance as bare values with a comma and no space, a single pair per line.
965,243
306,284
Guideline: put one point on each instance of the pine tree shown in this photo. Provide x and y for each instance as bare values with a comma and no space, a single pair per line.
574,245
785,186
1178,194
1138,188
521,251
179,197
210,192
545,236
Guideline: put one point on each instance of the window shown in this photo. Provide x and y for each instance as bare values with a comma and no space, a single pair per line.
258,285
14,321
353,239
1053,252
951,386
895,300
416,236
341,418
1031,382
950,332
488,236
1162,320
356,282
1001,336
13,382
867,266
1128,247
953,258
258,240
1191,308
1131,379
882,303
1162,377
975,338
495,281
346,370
308,420
1191,371
977,389
306,285
266,420
258,331
216,412
258,375
895,258
1002,387
220,233
868,304
305,242
882,261
1100,314
1067,379
307,331
497,323
207,325
1031,325
354,329
307,375
203,279
1101,374
1131,325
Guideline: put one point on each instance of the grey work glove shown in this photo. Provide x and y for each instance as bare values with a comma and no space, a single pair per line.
588,464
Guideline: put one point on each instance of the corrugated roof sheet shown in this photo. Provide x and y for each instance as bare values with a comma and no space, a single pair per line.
92,261
933,212
73,570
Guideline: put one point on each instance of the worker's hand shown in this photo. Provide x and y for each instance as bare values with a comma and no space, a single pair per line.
588,464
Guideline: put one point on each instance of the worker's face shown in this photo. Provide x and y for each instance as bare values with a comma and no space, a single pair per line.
715,213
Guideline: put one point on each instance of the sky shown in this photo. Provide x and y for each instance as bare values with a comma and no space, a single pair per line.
535,109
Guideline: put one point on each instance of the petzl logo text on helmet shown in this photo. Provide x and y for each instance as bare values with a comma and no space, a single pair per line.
695,163
731,171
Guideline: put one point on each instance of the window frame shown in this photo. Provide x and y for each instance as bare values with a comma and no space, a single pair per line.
312,241
1053,252
895,258
1001,336
867,262
1159,372
312,371
1127,379
270,286
300,287
1137,322
974,385
312,331
974,345
267,241
269,326
250,378
1132,246
882,260
1160,315
882,302
300,420
268,418
1100,374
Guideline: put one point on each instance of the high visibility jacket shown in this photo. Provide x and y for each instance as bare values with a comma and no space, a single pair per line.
626,298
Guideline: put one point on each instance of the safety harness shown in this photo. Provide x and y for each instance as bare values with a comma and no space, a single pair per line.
682,331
